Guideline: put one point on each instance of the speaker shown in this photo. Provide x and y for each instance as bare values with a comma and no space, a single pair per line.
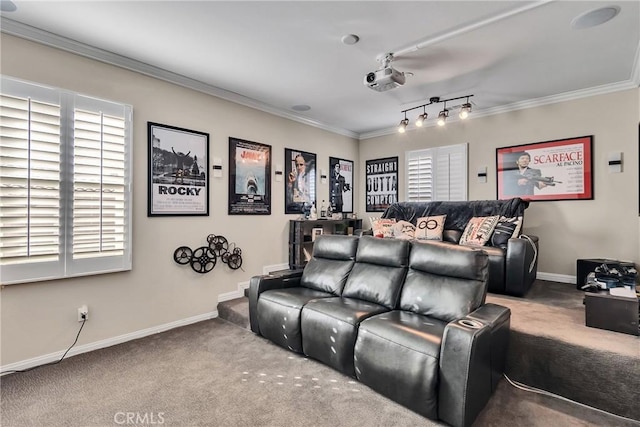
586,266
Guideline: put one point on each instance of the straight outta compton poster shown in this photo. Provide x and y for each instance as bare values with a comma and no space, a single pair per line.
382,183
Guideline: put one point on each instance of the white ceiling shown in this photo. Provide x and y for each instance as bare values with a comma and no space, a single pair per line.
274,55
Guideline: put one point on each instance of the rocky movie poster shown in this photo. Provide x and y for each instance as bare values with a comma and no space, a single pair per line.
178,163
249,178
382,183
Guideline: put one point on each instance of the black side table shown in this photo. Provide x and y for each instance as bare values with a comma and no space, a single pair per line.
613,313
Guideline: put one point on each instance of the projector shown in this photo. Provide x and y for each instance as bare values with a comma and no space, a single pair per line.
384,79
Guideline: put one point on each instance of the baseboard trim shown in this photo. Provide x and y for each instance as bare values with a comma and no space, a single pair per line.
239,292
553,277
275,267
85,348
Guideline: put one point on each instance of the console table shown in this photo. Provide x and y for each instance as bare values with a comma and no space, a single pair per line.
302,233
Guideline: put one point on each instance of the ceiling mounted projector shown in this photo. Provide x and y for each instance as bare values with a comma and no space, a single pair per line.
385,78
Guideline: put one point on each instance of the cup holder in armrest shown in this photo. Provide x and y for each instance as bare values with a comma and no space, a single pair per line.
473,324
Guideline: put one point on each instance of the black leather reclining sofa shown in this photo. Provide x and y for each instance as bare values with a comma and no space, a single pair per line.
407,319
512,268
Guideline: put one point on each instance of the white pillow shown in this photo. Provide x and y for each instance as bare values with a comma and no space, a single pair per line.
383,227
430,227
479,230
403,230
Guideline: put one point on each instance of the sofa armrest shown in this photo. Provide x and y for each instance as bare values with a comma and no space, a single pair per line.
521,265
499,318
468,350
259,284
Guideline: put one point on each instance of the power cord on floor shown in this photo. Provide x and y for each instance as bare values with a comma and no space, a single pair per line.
547,393
84,320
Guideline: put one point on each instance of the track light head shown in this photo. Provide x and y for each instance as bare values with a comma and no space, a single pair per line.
420,120
465,109
402,127
442,117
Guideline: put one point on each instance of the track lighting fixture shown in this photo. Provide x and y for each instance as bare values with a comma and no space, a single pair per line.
465,109
442,117
422,117
403,124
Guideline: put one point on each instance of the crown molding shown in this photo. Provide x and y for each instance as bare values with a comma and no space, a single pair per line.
531,103
635,72
17,29
27,32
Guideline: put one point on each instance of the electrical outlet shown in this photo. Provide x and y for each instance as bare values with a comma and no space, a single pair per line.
83,313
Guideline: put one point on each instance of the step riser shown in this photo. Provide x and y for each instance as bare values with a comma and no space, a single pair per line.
235,311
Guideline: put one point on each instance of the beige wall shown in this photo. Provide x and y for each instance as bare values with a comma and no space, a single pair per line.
40,318
606,226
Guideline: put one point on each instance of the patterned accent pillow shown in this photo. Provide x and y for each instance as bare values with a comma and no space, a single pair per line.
430,227
404,230
478,230
506,229
383,227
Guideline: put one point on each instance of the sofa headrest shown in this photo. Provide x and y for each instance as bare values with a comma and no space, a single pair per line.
449,260
335,246
332,261
446,282
385,252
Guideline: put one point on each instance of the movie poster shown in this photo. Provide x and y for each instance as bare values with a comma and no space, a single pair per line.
299,181
249,178
551,170
382,183
341,185
178,169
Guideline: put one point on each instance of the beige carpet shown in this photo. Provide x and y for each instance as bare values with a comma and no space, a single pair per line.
555,310
215,373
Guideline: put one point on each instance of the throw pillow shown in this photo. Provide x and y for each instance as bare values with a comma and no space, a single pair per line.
478,230
383,227
430,227
403,230
506,229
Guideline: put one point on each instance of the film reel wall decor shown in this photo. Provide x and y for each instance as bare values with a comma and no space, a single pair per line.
203,259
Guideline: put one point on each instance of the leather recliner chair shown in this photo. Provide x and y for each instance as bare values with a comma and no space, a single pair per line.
408,319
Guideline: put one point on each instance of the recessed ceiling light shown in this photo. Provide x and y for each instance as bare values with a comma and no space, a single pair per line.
350,39
7,6
301,107
595,17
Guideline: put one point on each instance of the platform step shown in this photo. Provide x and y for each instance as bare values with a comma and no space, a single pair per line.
235,311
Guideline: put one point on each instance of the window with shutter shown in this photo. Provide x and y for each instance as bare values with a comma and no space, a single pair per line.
64,184
438,173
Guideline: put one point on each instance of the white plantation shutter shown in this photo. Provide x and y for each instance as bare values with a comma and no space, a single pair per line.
438,173
30,180
64,184
419,175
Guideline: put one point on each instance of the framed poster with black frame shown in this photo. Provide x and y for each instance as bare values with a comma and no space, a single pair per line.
300,181
382,183
249,178
178,181
341,185
551,170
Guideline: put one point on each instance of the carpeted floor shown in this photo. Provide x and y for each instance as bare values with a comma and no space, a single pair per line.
215,373
552,349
